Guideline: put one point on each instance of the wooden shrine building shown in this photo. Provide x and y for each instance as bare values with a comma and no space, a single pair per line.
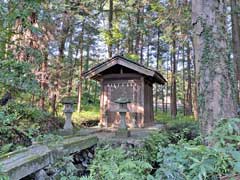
123,78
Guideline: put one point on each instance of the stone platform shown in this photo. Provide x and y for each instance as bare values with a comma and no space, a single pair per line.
19,164
108,134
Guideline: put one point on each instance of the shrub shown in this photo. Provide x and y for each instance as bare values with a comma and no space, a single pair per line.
114,164
151,145
12,134
193,160
182,125
19,123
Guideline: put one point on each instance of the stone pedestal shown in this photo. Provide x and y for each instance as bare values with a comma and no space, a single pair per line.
122,130
124,133
68,110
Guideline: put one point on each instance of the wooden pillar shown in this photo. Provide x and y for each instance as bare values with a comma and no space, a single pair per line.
102,104
142,101
151,104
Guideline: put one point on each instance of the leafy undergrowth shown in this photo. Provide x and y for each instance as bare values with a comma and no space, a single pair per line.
181,124
114,164
173,156
89,116
21,123
166,118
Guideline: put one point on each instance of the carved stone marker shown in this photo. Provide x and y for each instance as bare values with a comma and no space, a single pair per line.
122,129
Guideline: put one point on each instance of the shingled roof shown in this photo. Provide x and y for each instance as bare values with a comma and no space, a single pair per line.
96,71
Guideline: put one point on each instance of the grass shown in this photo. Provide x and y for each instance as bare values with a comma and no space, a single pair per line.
167,119
89,113
181,124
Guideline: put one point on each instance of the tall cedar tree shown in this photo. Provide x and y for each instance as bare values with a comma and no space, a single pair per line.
216,98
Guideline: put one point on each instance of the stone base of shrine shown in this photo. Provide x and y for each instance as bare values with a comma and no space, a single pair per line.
123,133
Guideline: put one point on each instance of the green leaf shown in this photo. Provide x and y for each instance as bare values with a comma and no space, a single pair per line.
236,155
237,167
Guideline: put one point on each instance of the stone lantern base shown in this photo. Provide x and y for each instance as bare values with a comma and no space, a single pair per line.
66,132
124,133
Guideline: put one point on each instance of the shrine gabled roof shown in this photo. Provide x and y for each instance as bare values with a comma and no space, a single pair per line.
96,71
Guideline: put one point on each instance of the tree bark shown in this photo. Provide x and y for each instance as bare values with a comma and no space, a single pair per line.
195,104
183,80
43,82
173,82
141,49
71,70
110,21
189,83
216,90
87,64
137,47
157,68
80,71
236,41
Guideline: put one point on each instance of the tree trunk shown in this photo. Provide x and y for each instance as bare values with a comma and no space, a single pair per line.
183,80
110,21
148,53
141,49
173,82
43,82
95,93
236,41
162,92
189,83
53,104
216,90
195,104
137,47
167,93
157,68
80,71
87,65
71,72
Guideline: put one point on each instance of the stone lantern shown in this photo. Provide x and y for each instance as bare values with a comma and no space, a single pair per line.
68,103
122,129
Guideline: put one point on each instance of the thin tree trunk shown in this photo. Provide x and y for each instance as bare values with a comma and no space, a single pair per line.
95,93
110,21
87,64
195,103
216,89
183,81
53,104
173,83
80,71
167,93
148,53
189,83
89,91
162,92
157,68
137,47
43,82
141,50
236,41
